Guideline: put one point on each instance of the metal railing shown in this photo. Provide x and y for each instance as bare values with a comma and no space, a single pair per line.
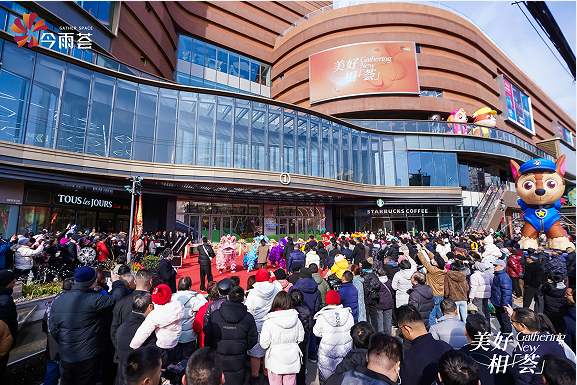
486,208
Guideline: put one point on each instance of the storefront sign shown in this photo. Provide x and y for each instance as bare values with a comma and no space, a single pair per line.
82,201
380,67
380,202
398,211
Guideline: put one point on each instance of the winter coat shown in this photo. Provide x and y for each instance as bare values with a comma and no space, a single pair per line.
306,318
8,312
76,323
119,290
231,331
192,302
385,294
198,323
350,298
296,256
288,248
212,307
126,332
514,268
358,253
323,287
258,303
6,339
324,258
283,284
359,283
102,251
456,286
451,329
435,276
280,336
533,274
262,252
311,293
24,257
555,305
165,321
139,246
167,273
538,345
371,287
339,267
422,297
556,265
502,289
354,358
487,374
480,285
491,252
312,257
401,284
391,268
420,362
121,313
333,327
443,249
570,327
205,254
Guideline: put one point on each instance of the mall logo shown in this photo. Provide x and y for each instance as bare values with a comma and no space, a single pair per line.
24,28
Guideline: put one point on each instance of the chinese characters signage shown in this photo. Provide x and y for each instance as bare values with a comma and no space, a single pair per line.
363,69
516,104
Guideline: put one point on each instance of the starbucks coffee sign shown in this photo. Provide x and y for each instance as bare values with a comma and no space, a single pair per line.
397,211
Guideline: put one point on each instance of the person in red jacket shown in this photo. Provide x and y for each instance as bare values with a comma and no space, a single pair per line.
515,270
198,322
102,251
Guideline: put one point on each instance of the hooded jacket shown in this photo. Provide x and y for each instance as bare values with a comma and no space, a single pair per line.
323,287
350,298
502,289
422,297
456,286
323,257
358,253
401,283
333,326
492,252
165,321
231,331
192,302
258,303
311,293
480,284
296,256
24,257
514,268
280,336
385,294
312,257
355,357
283,284
340,266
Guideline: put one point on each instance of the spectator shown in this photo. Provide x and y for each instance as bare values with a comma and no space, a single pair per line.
124,285
359,284
205,256
481,289
143,366
312,242
390,265
386,304
533,278
515,270
372,292
569,261
419,367
296,273
456,288
141,306
165,271
204,368
358,252
231,331
223,286
192,302
556,264
8,312
554,300
557,370
306,318
401,282
483,353
421,296
198,323
281,333
435,278
348,294
449,327
340,266
234,281
120,261
458,368
76,324
4,247
322,284
307,285
333,325
288,249
24,256
570,318
502,295
361,333
281,281
547,327
296,256
139,249
323,256
311,256
262,253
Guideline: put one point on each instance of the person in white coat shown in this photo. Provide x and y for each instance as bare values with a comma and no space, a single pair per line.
333,325
24,255
491,252
480,282
258,303
443,247
281,333
311,256
402,280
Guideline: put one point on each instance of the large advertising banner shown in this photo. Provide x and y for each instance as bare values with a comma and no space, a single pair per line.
517,105
363,68
509,96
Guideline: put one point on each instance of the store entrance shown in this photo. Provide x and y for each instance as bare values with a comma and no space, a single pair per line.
400,226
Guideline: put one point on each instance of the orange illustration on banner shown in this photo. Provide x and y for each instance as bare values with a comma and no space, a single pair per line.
364,68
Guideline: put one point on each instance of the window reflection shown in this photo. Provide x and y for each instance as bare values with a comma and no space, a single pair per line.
274,138
165,126
289,141
123,119
205,130
100,114
315,158
185,134
14,106
145,123
223,133
241,134
258,136
302,154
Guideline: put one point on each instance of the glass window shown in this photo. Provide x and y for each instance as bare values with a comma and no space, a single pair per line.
196,81
356,164
464,176
315,159
437,143
234,64
345,144
123,120
415,176
184,47
18,61
107,63
452,171
440,169
166,126
100,111
224,116
254,71
414,143
185,134
424,142
74,109
241,133
244,68
274,138
265,74
184,79
210,56
469,144
337,163
258,136
222,63
205,130
289,142
13,106
44,100
326,145
302,145
428,169
449,143
365,159
401,161
209,84
479,145
375,159
198,52
145,123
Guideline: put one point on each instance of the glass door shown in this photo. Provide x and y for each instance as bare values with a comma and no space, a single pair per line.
193,228
204,227
216,229
226,226
282,227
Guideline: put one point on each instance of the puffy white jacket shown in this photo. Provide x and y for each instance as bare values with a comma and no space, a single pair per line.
281,333
443,249
333,326
312,257
402,282
24,257
165,321
491,252
258,303
191,301
480,285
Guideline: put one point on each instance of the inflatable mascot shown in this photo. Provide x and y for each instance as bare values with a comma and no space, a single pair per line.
458,116
540,185
484,117
226,254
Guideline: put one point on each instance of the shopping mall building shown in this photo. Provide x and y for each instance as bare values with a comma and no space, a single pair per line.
275,117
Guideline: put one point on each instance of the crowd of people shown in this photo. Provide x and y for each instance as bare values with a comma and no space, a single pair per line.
366,308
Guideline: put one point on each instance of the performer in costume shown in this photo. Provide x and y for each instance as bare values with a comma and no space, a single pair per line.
275,256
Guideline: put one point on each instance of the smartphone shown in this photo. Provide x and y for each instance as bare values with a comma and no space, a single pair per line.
106,274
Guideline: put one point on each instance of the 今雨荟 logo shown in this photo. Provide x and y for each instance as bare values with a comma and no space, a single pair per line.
25,27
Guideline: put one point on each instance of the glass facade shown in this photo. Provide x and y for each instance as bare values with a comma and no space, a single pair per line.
103,11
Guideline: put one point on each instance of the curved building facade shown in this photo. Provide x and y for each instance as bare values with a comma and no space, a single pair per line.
219,122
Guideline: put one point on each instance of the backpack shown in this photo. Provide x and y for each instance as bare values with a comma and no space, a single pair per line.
372,287
334,282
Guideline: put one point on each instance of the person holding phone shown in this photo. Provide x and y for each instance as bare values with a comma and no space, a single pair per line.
24,256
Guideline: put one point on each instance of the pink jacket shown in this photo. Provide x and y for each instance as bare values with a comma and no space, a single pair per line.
480,285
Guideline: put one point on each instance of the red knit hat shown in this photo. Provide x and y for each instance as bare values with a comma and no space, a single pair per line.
262,275
333,298
161,294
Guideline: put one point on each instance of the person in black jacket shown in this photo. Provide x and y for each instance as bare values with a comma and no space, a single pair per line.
555,302
8,312
165,271
223,287
141,306
232,332
323,256
360,333
76,325
306,318
421,296
533,278
288,248
205,256
358,252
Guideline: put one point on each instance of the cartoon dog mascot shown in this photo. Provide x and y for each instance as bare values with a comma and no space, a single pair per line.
458,116
540,185
484,117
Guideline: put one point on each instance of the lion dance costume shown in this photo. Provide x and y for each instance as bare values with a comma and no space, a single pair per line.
226,254
275,256
251,257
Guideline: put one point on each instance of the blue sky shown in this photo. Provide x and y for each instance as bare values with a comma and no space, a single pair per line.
508,27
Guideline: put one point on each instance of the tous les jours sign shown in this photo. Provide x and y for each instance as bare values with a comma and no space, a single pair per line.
83,201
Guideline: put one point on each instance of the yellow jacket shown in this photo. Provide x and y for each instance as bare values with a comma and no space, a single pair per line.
340,267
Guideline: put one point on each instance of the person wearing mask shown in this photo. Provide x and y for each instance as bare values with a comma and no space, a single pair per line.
570,318
481,289
205,256
306,318
384,357
258,303
281,333
532,279
76,324
143,366
231,331
515,270
421,296
349,295
165,271
204,368
311,256
24,256
322,284
198,323
435,278
420,364
308,286
281,280
401,282
8,313
449,327
554,300
502,295
556,370
456,288
361,333
296,256
457,368
333,325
